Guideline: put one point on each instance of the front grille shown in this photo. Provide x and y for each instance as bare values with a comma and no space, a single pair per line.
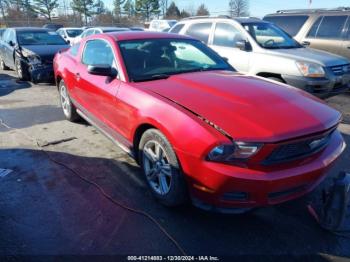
341,69
293,151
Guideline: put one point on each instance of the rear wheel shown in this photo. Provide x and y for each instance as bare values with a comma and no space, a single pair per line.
162,169
3,65
69,110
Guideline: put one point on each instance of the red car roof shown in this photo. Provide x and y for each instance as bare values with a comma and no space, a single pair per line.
133,35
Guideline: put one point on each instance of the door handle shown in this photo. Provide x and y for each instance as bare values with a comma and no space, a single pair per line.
305,43
77,76
348,47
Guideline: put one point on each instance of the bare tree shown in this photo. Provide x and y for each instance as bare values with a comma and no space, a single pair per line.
239,8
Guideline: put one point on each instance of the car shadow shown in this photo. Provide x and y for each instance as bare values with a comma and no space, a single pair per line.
9,84
48,209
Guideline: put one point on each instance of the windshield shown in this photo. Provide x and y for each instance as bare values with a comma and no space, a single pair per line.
74,32
39,38
152,59
270,36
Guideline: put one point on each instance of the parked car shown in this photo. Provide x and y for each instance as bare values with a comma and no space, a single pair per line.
324,29
137,28
52,27
97,30
30,51
195,125
257,47
69,33
161,25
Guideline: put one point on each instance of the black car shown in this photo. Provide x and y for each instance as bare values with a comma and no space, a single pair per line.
52,27
30,52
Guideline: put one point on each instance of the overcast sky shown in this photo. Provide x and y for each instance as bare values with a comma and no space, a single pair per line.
262,7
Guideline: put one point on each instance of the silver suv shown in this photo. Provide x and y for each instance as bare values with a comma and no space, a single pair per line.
258,47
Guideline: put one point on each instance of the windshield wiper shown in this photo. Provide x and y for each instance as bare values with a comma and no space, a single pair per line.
152,77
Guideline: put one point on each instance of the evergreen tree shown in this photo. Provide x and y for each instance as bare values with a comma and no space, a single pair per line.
118,7
85,7
147,8
173,11
45,7
129,8
202,10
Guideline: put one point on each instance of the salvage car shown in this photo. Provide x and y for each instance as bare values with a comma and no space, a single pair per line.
198,128
30,52
257,47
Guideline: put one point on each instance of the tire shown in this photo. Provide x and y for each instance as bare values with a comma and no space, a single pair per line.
3,65
69,110
21,71
162,168
277,79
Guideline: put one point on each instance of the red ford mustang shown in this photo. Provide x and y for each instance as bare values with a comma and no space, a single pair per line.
199,129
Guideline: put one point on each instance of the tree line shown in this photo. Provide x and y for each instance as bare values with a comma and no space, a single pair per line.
84,12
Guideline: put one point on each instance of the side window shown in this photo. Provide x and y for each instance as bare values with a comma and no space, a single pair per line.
330,27
74,50
200,31
103,49
12,36
5,36
177,28
61,32
226,35
89,32
314,28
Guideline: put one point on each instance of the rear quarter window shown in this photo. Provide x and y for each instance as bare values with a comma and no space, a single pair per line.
328,27
200,31
177,28
290,24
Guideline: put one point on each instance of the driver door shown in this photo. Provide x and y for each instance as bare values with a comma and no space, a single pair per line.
224,42
98,93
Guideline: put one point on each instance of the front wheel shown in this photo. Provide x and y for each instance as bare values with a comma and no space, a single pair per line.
162,169
21,71
69,110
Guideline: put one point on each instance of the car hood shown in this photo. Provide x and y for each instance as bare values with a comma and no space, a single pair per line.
311,55
247,108
46,52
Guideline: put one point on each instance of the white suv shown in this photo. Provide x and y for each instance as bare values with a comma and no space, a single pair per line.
257,47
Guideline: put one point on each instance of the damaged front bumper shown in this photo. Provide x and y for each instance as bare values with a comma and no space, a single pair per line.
41,73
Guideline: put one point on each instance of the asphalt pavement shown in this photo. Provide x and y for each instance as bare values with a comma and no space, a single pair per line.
46,209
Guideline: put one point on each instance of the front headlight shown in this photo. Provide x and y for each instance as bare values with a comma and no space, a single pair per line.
310,69
233,152
34,60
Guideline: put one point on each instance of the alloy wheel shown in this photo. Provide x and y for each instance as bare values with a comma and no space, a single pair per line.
65,102
157,168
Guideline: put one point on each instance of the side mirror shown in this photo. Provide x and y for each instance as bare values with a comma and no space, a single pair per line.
11,43
225,58
243,45
102,70
67,41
